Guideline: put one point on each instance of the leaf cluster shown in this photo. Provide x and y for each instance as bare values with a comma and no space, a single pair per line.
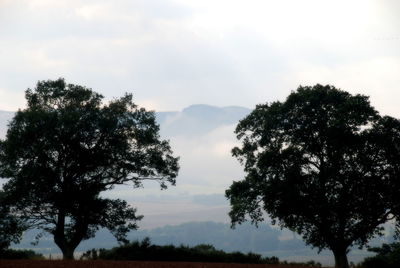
11,227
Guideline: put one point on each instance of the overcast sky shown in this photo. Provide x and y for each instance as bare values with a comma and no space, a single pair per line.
173,53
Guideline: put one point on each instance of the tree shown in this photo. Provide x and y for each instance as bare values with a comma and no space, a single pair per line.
67,147
323,163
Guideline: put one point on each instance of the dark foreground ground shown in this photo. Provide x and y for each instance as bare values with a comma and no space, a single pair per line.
130,264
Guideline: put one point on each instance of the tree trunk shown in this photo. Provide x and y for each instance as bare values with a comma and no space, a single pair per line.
341,258
66,248
68,253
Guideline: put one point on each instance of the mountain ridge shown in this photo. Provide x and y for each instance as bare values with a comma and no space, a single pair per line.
196,119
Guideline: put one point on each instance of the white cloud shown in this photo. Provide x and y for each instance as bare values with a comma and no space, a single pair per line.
176,53
377,77
94,11
173,53
8,99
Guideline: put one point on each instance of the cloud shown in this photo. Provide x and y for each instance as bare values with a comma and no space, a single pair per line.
8,100
176,53
375,77
94,11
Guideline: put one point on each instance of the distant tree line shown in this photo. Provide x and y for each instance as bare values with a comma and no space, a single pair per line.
145,251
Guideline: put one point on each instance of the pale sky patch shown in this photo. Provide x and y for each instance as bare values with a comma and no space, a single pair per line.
174,53
180,52
382,84
8,100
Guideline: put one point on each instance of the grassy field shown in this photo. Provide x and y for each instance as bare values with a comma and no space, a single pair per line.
129,264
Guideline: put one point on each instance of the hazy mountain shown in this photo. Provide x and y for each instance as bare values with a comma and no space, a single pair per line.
198,119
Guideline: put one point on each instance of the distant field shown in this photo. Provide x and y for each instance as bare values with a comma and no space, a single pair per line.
130,264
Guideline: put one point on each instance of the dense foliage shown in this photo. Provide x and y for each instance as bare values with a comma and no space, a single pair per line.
14,254
387,256
145,251
11,227
67,147
323,163
244,238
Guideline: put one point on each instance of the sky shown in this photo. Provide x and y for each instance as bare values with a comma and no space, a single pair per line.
174,53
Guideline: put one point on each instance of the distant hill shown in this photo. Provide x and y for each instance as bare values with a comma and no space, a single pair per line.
199,119
196,119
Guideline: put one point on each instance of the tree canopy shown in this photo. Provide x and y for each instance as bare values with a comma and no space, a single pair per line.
323,163
67,147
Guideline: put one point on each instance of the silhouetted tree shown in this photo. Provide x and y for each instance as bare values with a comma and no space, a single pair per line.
67,147
323,164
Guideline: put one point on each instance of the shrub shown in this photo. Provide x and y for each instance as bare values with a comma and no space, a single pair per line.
12,254
145,251
388,256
